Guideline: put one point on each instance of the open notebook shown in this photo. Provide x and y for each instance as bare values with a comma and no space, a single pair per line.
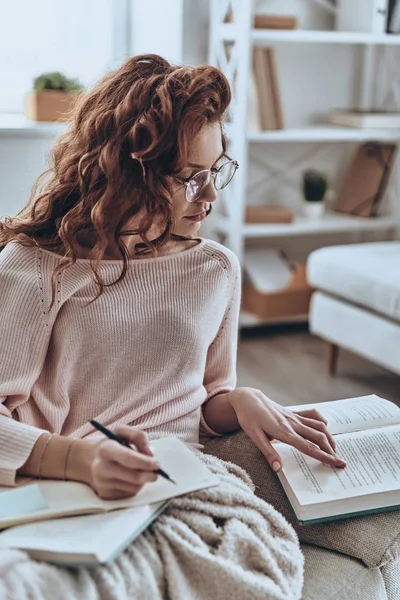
92,538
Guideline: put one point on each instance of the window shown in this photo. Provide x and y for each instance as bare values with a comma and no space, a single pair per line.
77,37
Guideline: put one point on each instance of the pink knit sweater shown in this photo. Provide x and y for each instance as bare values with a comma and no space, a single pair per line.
149,352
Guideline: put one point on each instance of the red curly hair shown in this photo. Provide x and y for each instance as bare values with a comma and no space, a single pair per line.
128,135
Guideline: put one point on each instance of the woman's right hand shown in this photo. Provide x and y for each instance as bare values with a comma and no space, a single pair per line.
120,472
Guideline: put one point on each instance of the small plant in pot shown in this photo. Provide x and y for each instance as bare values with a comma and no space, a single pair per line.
53,97
315,185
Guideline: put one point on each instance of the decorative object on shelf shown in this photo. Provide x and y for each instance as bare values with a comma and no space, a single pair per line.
53,97
365,119
268,214
393,18
267,84
275,22
315,185
273,286
365,180
362,15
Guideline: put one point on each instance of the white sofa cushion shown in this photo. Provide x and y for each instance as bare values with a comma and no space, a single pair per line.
365,274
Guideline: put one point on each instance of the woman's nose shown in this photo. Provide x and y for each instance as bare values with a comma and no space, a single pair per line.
209,192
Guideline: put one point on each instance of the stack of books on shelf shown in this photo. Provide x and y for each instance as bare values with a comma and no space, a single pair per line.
365,119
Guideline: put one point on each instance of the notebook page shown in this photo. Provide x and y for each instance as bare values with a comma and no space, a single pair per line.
373,466
176,459
60,498
356,414
99,534
15,502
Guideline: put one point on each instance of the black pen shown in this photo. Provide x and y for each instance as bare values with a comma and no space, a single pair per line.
117,438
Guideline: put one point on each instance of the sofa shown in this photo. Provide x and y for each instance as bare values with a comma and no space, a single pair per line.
356,304
350,559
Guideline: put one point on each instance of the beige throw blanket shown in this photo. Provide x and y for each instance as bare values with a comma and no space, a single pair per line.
221,543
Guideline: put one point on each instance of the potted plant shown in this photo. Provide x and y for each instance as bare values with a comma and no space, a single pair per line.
315,185
53,97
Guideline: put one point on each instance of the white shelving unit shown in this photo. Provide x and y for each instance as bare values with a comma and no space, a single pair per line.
241,37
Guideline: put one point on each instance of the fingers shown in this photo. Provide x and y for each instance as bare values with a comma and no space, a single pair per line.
131,476
317,437
272,456
320,426
135,436
312,413
307,447
115,489
130,459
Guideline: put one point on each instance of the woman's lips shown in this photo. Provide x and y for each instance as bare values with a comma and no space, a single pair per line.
199,217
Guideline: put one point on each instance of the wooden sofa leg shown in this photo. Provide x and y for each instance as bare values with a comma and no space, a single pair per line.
332,356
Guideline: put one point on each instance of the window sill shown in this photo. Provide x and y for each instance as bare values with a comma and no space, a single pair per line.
17,124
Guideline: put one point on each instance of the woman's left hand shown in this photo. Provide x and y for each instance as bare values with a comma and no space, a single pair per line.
262,420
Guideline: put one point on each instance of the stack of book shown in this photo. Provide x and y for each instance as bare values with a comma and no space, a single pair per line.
365,119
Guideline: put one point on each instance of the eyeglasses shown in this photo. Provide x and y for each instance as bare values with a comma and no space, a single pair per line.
221,177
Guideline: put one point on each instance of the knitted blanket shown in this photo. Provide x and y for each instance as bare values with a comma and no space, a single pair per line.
221,543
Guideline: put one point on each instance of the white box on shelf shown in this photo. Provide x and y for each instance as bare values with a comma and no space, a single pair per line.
362,15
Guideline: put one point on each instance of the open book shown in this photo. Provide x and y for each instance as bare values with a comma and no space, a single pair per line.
94,538
367,435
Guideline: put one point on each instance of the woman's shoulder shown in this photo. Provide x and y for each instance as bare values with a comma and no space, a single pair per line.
20,257
223,254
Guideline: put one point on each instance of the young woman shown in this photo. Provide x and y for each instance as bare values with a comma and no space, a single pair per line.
113,308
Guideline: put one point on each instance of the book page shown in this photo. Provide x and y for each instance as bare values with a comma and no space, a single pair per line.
356,414
373,465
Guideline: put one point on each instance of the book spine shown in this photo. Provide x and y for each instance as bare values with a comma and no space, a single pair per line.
263,81
276,96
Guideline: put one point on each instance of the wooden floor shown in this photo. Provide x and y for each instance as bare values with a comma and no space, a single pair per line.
288,364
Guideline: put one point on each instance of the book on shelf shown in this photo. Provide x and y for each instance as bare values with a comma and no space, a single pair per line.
253,106
366,179
365,119
367,435
275,22
268,92
267,21
93,530
268,214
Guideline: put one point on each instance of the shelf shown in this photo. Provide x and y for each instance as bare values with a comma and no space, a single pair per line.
324,134
265,36
247,319
329,223
17,123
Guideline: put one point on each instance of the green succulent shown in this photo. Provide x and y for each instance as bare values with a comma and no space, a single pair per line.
315,185
56,81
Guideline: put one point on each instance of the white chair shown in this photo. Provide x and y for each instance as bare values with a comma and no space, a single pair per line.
357,302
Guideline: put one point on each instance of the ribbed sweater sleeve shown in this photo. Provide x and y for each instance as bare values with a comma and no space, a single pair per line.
24,334
220,372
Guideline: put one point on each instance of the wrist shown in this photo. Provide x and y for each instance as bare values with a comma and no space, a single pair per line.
233,397
80,459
